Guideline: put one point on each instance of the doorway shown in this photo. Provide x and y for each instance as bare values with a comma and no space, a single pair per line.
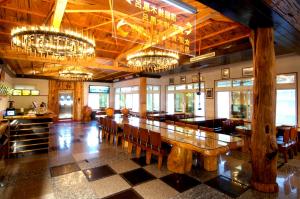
65,104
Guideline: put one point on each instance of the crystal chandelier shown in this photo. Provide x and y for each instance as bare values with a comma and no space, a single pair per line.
153,60
75,75
50,42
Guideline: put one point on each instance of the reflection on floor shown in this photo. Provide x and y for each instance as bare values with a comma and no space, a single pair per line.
79,165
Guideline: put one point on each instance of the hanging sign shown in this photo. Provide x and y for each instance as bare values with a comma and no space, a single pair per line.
164,24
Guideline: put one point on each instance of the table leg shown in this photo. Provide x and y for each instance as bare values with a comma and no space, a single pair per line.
180,160
210,163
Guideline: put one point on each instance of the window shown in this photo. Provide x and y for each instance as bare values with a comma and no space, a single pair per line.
222,84
237,101
241,104
184,99
286,107
171,104
286,79
127,97
98,100
98,89
153,98
223,108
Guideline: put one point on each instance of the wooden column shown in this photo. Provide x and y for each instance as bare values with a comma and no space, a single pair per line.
143,97
263,139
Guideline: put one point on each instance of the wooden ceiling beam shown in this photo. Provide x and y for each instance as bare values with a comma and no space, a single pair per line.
23,11
8,53
226,41
60,6
216,33
105,50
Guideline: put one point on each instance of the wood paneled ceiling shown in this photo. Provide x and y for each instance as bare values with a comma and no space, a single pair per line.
215,33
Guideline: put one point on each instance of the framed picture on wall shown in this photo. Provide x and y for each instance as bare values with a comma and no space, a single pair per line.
247,72
209,93
171,81
182,79
225,72
195,78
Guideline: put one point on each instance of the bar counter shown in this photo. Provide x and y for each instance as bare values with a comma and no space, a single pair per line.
29,133
30,116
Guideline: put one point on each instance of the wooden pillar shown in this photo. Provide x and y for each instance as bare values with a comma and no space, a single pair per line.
263,139
78,100
143,97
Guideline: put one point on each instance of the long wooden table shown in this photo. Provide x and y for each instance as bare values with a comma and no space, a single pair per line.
184,141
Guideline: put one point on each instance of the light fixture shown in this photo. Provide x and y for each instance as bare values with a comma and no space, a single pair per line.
201,57
183,6
153,60
74,74
50,42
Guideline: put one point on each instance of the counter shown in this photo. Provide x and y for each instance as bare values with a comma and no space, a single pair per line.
29,133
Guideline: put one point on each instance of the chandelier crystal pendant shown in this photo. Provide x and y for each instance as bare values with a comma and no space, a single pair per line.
75,75
45,41
153,60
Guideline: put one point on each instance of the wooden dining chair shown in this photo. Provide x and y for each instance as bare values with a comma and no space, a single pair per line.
134,138
114,134
108,129
284,146
143,142
155,148
126,134
104,128
100,127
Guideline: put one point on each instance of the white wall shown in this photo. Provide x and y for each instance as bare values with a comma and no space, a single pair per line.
26,101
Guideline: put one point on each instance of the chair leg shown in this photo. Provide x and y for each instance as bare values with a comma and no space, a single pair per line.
160,160
111,140
290,152
106,136
117,140
148,157
130,145
285,154
138,151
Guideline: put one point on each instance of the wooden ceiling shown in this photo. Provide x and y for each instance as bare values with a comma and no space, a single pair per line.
213,31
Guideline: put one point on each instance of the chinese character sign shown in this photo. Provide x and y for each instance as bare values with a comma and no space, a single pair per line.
156,23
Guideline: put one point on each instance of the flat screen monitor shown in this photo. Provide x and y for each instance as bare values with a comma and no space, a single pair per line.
10,112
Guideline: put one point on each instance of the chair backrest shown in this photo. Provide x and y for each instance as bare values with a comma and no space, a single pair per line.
286,135
135,133
143,136
294,134
108,124
101,121
155,141
127,131
114,127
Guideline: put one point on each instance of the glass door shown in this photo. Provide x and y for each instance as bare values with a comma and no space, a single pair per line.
65,104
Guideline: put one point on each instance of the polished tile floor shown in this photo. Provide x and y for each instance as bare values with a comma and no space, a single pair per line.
79,165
